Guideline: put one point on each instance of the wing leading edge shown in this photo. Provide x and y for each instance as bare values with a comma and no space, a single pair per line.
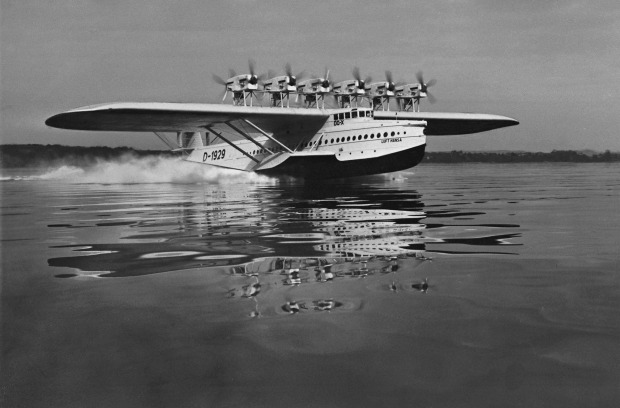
188,117
448,123
176,117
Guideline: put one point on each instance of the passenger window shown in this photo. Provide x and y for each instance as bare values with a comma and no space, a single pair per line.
341,116
353,115
347,115
335,116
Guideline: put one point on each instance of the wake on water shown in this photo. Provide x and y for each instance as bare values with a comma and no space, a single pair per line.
143,170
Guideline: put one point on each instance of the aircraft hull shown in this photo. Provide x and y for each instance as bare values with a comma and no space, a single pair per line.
329,167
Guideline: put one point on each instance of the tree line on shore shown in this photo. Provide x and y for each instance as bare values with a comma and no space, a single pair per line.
34,155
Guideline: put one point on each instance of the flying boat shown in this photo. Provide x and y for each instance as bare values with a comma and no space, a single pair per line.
362,135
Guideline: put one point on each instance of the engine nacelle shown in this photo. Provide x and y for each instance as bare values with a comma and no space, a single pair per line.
381,89
314,86
352,87
240,83
284,83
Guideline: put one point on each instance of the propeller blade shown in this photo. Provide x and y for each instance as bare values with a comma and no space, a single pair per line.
288,70
420,77
431,82
388,76
356,73
231,73
251,66
430,97
219,80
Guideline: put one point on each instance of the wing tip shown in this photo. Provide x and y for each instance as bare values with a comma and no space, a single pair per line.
54,121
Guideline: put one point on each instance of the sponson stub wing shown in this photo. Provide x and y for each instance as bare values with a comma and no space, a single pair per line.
176,117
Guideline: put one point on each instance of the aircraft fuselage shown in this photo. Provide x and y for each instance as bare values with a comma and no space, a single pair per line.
351,142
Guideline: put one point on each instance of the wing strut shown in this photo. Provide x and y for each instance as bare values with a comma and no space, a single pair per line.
318,142
163,139
242,133
230,143
267,135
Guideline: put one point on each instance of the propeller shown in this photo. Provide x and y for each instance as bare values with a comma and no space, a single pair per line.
220,81
390,81
325,83
253,77
361,83
292,77
425,85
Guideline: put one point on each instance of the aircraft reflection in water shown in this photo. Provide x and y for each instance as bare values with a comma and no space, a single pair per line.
280,274
294,248
356,243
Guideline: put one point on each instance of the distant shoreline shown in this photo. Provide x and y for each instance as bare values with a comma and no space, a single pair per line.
36,155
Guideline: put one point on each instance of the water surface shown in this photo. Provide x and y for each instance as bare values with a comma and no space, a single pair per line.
450,285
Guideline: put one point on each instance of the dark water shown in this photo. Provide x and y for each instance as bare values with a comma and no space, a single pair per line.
459,285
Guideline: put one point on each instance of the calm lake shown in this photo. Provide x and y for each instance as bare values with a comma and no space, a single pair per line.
155,283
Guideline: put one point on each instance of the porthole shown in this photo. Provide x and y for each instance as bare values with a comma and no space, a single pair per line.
337,140
392,134
365,137
372,135
348,138
331,141
384,134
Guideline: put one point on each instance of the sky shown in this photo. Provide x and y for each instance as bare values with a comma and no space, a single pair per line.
552,65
